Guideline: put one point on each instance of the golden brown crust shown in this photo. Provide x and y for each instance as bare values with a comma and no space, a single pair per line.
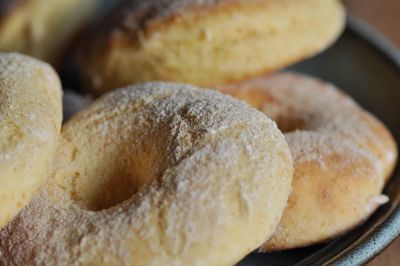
134,18
139,15
205,42
343,156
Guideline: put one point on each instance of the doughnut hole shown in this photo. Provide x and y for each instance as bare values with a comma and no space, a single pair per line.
100,174
287,124
287,120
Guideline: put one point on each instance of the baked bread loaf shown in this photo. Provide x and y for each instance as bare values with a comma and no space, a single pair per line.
205,42
342,155
157,174
30,122
42,28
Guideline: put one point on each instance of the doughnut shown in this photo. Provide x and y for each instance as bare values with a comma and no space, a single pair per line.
42,28
342,155
30,124
157,174
204,42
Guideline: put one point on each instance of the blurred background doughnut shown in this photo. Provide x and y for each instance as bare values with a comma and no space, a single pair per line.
205,42
43,28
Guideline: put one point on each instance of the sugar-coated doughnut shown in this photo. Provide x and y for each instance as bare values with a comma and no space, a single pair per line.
205,42
42,28
30,122
342,156
157,174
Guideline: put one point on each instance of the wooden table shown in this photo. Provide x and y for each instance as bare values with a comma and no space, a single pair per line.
384,15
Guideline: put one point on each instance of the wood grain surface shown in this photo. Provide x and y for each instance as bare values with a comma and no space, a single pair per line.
384,15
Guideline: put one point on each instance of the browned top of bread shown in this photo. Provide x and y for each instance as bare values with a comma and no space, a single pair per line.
135,14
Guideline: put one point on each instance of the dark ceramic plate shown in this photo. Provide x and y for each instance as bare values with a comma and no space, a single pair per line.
366,66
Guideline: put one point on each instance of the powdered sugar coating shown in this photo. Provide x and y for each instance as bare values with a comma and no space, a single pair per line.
30,122
202,167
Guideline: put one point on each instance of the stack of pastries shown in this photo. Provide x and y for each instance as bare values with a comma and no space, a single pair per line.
156,172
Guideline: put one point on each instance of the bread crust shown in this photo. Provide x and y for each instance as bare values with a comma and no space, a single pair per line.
205,42
145,15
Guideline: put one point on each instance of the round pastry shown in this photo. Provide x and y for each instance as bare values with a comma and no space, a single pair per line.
157,174
205,42
30,122
342,156
42,28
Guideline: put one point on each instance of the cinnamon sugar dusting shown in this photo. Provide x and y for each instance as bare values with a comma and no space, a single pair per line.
342,155
330,122
200,160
